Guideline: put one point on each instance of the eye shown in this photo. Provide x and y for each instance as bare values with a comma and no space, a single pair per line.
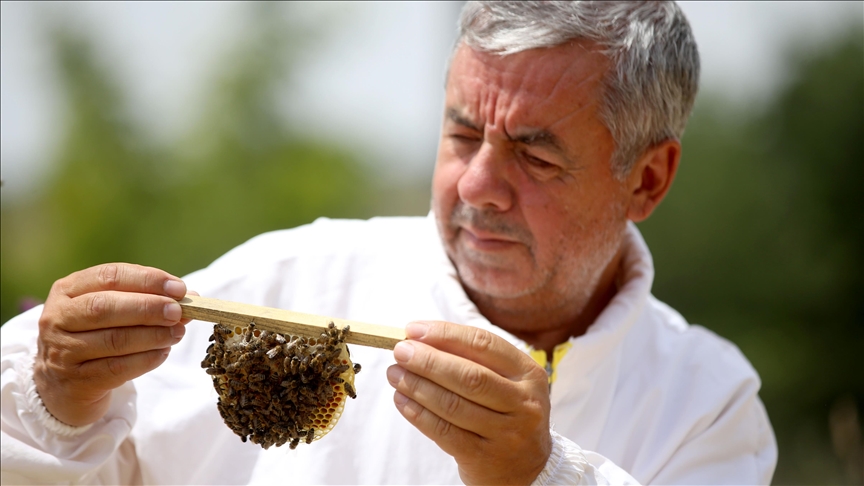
463,145
465,138
539,168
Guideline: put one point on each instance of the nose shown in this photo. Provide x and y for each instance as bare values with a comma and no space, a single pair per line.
484,183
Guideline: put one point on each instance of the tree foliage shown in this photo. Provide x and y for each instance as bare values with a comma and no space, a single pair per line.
762,240
115,195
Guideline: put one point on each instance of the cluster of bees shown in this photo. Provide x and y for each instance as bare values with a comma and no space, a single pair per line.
275,389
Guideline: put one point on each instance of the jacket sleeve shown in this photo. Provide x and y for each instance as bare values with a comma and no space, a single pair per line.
569,464
39,449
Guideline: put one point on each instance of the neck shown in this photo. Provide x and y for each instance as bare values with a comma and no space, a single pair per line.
545,322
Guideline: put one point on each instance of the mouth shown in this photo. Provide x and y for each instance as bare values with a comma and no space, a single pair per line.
484,240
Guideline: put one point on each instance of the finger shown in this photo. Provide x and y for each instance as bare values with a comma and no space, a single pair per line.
107,309
123,277
473,344
445,404
117,370
450,438
121,341
459,375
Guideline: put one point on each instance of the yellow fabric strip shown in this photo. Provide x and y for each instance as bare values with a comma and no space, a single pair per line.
538,355
557,355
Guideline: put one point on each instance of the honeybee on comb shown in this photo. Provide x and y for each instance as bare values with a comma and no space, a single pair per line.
274,389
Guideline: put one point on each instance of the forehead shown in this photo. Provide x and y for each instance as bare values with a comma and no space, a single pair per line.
534,85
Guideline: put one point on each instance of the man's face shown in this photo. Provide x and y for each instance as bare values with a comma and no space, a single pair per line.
525,199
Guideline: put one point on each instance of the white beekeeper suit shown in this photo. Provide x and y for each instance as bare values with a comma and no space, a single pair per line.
642,396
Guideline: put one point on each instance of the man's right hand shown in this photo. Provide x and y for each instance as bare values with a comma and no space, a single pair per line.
100,328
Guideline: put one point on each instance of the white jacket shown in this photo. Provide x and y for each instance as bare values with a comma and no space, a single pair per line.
642,396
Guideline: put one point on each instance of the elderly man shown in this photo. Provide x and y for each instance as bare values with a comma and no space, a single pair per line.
562,125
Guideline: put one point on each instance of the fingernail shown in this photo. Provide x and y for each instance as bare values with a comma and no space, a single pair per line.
172,312
416,330
166,351
403,351
174,288
395,374
178,331
400,399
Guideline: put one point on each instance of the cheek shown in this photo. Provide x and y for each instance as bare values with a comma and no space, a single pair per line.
548,219
445,183
557,215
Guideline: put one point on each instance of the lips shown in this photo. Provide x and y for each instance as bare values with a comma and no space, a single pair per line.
485,241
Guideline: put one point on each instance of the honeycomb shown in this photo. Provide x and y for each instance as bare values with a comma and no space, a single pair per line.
276,389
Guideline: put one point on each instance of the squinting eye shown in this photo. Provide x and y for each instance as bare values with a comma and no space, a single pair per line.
464,138
539,168
538,162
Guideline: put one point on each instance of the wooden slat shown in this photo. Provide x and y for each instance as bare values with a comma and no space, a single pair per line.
233,314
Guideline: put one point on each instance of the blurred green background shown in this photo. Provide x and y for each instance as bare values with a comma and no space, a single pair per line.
760,240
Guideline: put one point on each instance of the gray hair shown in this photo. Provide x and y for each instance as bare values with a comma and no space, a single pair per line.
649,92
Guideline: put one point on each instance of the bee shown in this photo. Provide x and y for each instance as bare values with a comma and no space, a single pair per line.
357,368
294,443
220,331
310,435
318,362
273,352
350,390
337,369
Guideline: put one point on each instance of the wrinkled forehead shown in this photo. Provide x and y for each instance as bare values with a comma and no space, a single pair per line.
548,80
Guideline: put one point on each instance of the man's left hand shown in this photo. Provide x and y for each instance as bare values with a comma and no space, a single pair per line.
479,398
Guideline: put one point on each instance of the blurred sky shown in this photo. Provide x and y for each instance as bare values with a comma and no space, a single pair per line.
374,81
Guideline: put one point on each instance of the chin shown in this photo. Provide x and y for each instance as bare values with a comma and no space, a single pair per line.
493,282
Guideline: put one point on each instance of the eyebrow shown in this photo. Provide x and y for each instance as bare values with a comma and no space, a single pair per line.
454,116
535,137
540,137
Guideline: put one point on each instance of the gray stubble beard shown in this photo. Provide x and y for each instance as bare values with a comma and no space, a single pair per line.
583,283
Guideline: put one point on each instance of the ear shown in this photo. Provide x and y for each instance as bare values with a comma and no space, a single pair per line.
651,178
